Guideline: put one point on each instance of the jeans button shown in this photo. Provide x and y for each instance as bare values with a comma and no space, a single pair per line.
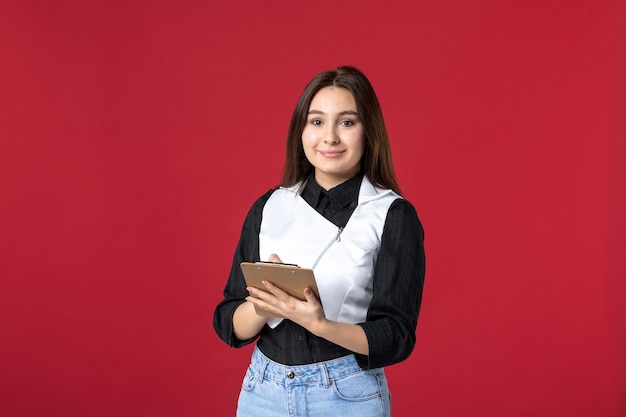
290,374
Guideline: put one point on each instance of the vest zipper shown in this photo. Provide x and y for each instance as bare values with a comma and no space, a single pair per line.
337,238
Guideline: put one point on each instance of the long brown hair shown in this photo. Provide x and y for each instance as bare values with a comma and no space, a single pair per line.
376,162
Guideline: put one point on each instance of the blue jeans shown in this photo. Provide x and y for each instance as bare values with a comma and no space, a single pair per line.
334,388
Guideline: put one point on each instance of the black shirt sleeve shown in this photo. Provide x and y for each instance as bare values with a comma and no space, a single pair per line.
397,289
235,291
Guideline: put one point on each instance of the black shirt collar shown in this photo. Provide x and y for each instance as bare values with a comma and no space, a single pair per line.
340,196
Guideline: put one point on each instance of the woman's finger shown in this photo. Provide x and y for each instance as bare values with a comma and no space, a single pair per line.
274,258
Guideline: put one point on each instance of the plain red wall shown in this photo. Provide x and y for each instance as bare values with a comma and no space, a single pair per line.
125,126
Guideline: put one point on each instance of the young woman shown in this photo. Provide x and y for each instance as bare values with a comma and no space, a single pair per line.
338,211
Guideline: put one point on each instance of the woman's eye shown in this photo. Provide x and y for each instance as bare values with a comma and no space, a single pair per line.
347,123
316,122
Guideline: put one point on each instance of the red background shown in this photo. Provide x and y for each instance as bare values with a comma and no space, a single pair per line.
126,125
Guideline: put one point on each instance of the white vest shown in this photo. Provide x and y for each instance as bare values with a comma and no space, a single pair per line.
343,260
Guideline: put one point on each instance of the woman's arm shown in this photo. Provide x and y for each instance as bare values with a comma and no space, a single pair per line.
397,289
246,322
234,320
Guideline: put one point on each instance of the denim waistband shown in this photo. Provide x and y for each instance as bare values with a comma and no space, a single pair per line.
315,373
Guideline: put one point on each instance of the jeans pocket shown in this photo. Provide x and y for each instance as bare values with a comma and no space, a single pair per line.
250,379
361,386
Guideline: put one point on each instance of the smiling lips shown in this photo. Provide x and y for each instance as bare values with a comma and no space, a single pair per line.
331,154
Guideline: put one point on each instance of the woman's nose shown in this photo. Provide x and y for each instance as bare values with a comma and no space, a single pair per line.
331,137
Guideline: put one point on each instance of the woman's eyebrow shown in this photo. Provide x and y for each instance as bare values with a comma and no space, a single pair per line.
341,113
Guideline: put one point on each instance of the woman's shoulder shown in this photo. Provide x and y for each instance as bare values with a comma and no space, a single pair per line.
259,203
402,207
401,203
403,215
262,200
255,213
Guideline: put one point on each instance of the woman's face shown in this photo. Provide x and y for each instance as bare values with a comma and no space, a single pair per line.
333,136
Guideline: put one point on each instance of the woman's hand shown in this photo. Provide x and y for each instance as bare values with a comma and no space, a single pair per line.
277,303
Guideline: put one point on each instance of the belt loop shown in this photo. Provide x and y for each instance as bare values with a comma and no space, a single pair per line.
324,372
263,369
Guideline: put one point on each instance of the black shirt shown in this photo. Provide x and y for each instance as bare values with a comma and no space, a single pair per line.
397,285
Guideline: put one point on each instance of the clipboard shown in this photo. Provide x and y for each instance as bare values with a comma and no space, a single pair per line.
288,277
